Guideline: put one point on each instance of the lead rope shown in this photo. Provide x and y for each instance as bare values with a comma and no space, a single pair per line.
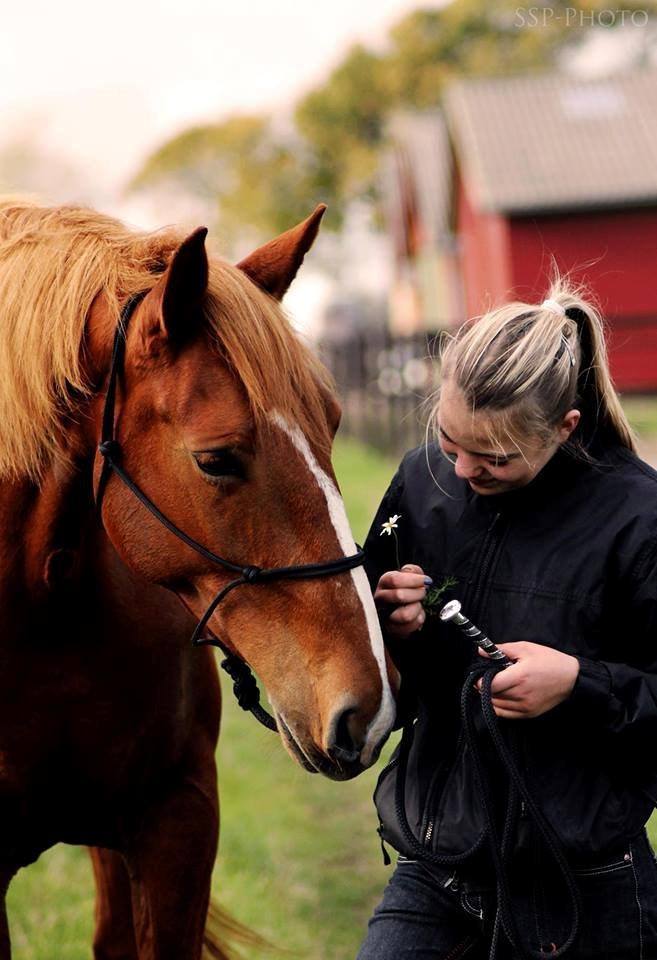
500,848
245,686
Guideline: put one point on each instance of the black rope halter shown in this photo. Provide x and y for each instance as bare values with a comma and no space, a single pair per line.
244,683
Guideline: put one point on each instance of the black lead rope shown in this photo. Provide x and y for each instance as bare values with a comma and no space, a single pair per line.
500,848
245,686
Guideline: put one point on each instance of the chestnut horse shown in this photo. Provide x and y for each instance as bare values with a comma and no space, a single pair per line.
224,422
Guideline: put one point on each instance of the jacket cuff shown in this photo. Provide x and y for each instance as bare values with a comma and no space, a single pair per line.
593,684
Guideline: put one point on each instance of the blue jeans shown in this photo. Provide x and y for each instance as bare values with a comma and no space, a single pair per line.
428,913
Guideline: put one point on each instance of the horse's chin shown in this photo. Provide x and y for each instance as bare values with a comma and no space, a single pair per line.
312,760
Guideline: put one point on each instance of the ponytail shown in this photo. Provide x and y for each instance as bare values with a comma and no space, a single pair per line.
603,417
538,362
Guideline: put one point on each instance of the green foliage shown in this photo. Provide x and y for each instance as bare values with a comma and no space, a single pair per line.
465,38
254,178
434,598
201,154
343,121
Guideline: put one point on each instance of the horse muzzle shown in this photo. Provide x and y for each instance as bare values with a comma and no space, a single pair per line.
347,752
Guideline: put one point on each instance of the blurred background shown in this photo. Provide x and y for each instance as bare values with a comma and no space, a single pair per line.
465,148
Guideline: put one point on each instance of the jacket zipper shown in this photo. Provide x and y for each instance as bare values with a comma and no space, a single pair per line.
488,550
389,765
428,833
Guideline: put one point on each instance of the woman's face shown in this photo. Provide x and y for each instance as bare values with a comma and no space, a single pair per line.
490,467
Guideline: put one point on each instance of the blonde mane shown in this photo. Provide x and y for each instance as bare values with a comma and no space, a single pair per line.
55,261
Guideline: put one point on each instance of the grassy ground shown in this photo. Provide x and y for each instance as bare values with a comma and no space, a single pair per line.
300,860
642,413
363,475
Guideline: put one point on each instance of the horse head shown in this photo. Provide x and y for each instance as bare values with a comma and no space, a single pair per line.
226,422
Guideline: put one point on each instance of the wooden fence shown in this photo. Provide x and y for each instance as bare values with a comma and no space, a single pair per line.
384,383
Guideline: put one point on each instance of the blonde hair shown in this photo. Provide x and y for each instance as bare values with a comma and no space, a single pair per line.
529,364
54,262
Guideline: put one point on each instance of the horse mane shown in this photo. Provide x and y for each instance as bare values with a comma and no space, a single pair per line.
55,261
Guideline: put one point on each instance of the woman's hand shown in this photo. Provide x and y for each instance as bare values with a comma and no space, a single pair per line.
539,680
404,589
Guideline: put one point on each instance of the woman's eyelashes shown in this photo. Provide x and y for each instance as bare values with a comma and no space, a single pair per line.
451,454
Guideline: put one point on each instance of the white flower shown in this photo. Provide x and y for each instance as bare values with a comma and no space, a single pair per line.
390,524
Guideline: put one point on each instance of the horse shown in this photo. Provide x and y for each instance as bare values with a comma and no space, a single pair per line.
165,442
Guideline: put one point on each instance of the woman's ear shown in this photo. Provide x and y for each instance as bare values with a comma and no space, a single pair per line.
568,424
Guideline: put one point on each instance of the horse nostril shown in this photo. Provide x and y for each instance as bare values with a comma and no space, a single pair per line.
344,746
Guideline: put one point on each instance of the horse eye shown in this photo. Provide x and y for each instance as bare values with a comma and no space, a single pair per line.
220,463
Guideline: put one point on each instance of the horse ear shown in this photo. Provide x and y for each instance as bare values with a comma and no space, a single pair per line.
179,290
185,281
274,266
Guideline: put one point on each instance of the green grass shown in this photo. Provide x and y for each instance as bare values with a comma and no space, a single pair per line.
50,906
300,860
642,413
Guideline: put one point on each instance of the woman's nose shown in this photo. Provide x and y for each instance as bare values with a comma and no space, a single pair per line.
467,467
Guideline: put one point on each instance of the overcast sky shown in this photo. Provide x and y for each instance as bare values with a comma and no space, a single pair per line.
102,84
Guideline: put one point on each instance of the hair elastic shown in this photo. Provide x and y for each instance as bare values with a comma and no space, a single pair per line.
554,307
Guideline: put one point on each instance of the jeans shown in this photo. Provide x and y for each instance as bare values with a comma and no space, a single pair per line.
431,913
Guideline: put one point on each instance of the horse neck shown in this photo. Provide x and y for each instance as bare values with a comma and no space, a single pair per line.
44,528
61,576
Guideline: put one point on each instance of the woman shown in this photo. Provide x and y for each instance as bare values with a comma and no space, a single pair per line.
520,825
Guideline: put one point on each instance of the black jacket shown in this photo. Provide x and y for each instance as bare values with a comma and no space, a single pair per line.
570,561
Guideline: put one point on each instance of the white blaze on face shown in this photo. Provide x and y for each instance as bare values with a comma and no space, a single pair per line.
338,515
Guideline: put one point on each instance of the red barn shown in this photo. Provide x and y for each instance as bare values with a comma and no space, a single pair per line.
544,170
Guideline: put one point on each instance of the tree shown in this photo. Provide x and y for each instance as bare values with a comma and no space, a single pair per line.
343,121
254,179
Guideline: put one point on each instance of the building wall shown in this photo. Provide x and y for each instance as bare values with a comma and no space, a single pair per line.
484,244
615,252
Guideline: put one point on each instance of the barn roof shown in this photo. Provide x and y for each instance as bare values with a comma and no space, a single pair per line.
555,142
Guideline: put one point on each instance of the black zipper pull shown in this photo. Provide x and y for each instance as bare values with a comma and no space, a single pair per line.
494,521
386,856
